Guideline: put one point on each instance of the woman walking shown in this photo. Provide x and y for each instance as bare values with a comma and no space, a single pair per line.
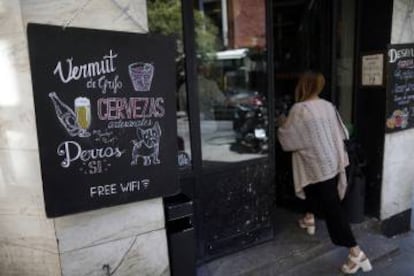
314,133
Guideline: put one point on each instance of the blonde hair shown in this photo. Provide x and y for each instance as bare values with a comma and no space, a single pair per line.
309,84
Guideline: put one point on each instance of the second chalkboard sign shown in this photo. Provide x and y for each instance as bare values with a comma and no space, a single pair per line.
400,87
105,114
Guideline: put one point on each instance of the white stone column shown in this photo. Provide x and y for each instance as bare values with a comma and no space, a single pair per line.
398,175
27,239
128,239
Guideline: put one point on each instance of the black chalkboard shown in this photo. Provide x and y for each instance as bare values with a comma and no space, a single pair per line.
400,87
105,115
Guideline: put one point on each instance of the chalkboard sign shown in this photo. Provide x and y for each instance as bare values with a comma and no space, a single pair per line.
105,115
400,87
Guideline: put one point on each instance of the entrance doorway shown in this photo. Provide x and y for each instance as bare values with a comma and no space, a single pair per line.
302,41
314,35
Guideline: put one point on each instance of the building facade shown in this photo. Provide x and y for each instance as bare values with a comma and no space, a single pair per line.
236,54
131,242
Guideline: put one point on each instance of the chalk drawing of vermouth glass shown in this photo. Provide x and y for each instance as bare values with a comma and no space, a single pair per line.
141,75
74,124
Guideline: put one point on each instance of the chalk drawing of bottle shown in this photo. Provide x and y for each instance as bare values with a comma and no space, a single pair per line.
65,114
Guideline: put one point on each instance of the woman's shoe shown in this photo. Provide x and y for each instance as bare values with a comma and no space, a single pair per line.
308,224
355,263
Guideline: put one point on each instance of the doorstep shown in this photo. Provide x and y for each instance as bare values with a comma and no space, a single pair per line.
293,252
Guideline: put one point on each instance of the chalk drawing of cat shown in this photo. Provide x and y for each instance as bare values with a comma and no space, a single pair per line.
147,146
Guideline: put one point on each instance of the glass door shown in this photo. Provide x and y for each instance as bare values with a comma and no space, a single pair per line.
223,117
231,75
235,191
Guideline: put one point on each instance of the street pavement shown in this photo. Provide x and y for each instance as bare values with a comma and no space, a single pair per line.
294,253
399,264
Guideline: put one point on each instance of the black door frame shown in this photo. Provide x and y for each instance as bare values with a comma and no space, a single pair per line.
192,179
369,103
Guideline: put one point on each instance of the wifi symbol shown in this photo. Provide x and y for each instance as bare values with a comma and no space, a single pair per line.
145,183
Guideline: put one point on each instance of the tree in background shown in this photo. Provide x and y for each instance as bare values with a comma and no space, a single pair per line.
164,16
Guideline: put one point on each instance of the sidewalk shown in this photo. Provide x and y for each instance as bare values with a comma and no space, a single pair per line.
402,262
293,252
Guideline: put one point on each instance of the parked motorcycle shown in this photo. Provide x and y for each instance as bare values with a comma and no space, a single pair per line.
250,124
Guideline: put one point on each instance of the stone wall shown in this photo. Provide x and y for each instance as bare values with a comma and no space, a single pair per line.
128,239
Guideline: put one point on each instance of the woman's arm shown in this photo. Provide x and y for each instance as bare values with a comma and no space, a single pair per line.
291,132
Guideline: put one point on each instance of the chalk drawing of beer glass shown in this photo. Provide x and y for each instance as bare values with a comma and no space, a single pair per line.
83,115
141,74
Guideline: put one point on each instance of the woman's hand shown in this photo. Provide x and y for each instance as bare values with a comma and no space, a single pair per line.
281,120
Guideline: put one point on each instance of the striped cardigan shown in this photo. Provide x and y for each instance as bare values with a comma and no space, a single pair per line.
314,134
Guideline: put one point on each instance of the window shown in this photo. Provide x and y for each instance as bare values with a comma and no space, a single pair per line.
232,84
165,17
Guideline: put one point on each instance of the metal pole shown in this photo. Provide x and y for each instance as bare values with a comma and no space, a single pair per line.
224,23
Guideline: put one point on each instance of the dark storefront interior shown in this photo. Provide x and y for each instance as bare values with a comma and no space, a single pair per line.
312,35
237,65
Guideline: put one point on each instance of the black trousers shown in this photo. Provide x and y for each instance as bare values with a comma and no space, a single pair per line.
323,197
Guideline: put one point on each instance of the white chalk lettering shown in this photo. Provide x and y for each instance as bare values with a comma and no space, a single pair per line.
395,54
88,70
103,190
109,85
134,185
72,151
129,124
